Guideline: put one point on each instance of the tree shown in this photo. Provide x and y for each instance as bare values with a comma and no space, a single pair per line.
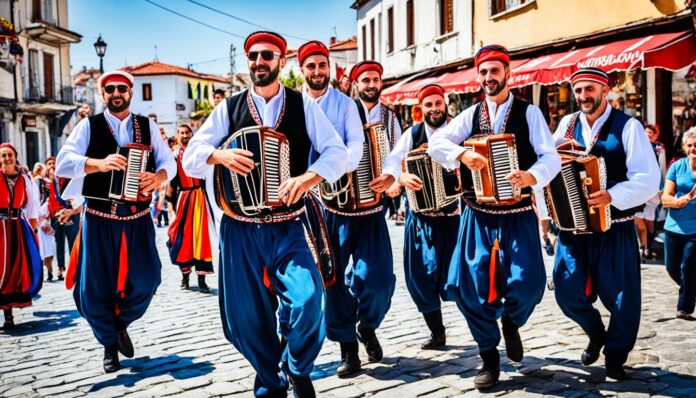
292,80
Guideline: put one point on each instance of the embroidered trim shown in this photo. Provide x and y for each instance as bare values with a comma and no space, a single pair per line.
352,214
115,217
570,134
628,218
455,213
497,212
485,119
269,219
255,112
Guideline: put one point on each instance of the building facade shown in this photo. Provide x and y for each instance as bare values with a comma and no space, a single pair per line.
40,101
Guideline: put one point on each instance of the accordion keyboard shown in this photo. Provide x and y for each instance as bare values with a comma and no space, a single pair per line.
271,164
575,193
135,166
502,166
364,173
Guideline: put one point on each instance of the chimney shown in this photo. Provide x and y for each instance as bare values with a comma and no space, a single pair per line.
332,40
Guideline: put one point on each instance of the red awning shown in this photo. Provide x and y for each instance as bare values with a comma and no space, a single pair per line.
671,51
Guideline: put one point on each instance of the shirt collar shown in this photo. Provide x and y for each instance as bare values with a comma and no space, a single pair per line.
492,106
114,119
600,120
320,98
258,98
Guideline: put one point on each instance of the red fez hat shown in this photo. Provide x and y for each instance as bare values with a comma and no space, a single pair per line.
266,37
590,74
364,66
116,76
493,52
311,48
53,158
8,145
430,89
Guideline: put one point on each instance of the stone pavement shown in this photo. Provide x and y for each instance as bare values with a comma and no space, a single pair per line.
181,351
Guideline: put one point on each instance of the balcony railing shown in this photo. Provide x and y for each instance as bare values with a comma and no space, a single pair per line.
61,95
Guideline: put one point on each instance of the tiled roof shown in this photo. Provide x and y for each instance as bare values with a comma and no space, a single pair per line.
348,44
81,77
158,68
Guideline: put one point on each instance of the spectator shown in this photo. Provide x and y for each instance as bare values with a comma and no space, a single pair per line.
680,226
218,95
645,219
37,171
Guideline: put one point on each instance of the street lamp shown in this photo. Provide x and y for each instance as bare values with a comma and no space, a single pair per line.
100,46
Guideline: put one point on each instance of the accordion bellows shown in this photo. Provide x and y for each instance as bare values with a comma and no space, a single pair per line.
566,196
124,183
352,191
257,192
441,187
490,185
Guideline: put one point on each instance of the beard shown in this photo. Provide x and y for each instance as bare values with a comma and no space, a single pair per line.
435,119
596,103
113,108
371,98
271,75
318,85
499,86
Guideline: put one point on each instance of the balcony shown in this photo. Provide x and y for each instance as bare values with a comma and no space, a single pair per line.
53,99
48,31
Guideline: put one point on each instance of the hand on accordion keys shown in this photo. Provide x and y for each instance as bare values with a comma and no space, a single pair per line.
238,160
599,198
112,162
382,183
150,181
522,179
411,181
293,189
473,160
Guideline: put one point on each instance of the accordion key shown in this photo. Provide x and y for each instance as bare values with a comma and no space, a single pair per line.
490,185
352,191
124,183
566,196
257,192
441,187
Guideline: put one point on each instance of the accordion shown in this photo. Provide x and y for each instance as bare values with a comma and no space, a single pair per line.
124,183
257,192
352,192
566,195
490,185
441,187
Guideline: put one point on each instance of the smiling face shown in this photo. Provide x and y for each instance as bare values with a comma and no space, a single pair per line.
9,162
493,76
119,99
652,134
589,96
316,71
264,72
689,147
434,110
185,134
370,86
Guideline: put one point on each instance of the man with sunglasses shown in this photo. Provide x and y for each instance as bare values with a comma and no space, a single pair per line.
267,266
117,268
606,264
497,270
350,233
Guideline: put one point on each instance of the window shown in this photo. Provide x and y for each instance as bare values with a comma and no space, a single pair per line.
410,25
364,42
48,79
501,6
446,16
372,39
147,92
390,29
34,92
42,10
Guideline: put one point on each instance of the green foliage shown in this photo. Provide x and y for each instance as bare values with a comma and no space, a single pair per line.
203,108
292,80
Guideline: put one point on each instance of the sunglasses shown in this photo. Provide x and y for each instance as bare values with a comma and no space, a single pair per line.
122,88
267,55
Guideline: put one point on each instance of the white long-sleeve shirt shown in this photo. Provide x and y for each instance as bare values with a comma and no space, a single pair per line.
392,165
643,172
33,207
325,140
70,162
343,114
445,147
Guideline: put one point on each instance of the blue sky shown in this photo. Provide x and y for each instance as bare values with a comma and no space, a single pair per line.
132,29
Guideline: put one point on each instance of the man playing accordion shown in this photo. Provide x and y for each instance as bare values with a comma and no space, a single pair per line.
115,267
429,236
266,262
497,269
605,264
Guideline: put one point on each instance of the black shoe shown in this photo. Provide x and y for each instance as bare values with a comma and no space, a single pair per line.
368,337
548,246
125,346
350,363
185,282
618,374
591,353
489,374
202,286
111,362
49,278
60,277
435,341
302,386
513,342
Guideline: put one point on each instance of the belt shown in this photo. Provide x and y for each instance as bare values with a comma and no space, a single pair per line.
10,213
115,217
268,218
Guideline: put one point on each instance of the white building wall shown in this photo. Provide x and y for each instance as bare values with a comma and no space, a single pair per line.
430,48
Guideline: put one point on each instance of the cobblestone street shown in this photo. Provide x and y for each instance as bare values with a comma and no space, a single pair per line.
181,351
